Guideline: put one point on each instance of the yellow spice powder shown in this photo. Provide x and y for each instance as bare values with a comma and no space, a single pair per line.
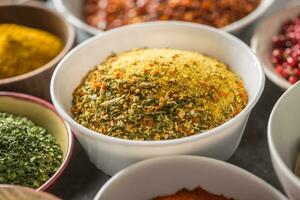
157,94
23,49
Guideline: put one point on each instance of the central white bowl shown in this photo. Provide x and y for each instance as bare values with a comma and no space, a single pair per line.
113,154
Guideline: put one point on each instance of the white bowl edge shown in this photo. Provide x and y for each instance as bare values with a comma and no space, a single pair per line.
143,163
274,153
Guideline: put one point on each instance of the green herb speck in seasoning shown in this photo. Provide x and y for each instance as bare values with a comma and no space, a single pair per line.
29,155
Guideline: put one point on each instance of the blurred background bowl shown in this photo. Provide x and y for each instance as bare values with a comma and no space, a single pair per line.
112,154
261,41
36,15
164,176
72,10
43,114
284,139
13,192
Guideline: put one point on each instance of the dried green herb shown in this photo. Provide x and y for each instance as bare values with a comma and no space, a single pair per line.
29,155
158,94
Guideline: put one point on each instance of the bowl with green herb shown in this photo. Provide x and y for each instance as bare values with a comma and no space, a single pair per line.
35,143
182,90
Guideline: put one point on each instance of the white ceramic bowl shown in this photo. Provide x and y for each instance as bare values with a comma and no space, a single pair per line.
72,10
113,154
261,41
166,175
284,138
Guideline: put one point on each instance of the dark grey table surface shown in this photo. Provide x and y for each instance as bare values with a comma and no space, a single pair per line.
82,180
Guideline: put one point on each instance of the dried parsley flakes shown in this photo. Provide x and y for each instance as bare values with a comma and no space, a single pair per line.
29,155
158,94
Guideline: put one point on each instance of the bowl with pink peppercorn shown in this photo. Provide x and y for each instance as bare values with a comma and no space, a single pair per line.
276,42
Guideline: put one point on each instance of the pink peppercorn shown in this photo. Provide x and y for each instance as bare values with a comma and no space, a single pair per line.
286,50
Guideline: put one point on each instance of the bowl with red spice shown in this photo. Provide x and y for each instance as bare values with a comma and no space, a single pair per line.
96,16
283,139
278,48
186,177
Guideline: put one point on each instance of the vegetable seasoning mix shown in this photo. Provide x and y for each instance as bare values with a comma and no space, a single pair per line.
29,155
157,94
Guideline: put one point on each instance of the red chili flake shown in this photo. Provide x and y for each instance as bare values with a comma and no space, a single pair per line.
107,14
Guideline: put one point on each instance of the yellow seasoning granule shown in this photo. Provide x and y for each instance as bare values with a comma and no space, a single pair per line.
23,49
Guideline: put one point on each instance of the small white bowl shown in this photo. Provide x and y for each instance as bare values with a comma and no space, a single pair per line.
261,41
284,138
112,154
164,176
72,10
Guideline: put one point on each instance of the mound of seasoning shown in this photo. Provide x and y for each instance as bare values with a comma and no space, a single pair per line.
158,94
23,49
107,14
195,194
286,50
29,155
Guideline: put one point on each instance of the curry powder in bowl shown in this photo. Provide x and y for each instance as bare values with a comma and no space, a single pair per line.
158,94
23,49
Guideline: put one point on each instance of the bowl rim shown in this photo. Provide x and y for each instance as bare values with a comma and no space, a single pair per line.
254,44
231,28
30,190
50,107
183,158
66,48
209,133
273,151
